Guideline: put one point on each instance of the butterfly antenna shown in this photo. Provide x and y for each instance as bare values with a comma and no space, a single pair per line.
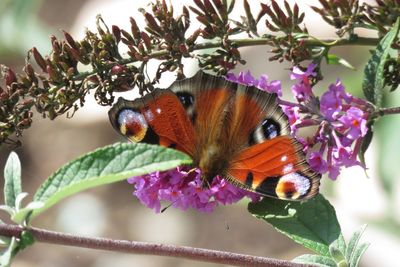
169,205
165,208
172,203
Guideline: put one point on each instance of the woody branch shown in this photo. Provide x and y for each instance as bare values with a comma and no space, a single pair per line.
196,254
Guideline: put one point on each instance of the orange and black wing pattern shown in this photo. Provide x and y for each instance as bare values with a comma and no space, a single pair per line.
229,129
271,162
275,168
157,118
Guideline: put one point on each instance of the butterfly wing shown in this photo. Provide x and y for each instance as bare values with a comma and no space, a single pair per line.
275,168
157,118
270,162
206,99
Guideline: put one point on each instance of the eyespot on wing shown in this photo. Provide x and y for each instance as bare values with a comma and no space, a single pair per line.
132,124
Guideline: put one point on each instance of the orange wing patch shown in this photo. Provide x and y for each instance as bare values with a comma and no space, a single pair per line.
168,119
275,168
157,118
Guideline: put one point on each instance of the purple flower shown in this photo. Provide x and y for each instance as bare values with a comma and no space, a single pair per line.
332,101
342,156
341,118
302,90
331,105
355,122
263,84
303,76
293,114
317,162
246,78
333,171
339,90
183,189
272,87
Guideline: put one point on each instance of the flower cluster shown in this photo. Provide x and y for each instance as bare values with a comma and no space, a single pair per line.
183,189
341,121
262,83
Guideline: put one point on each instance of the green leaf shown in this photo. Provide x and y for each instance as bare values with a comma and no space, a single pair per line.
23,215
353,243
338,245
6,255
4,240
333,59
365,142
106,165
336,254
231,6
315,260
355,260
12,176
312,223
373,82
27,239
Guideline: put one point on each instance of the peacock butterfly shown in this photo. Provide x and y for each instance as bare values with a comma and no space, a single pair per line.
228,129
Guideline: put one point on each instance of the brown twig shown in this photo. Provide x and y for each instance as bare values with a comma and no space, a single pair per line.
197,254
385,111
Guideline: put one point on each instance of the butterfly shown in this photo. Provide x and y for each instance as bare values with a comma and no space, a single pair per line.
236,131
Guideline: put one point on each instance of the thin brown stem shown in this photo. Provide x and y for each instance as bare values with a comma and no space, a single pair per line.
361,41
385,111
197,254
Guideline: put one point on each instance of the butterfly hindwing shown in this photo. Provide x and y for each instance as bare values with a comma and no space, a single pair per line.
275,168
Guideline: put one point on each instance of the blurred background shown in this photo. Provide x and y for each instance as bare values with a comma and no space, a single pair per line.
111,211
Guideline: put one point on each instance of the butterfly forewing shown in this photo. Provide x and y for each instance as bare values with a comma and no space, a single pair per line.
157,118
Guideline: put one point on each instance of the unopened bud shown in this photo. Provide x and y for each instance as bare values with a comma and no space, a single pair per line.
10,77
117,33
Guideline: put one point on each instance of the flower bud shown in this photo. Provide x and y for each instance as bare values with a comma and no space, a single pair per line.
70,40
117,33
39,59
146,40
151,22
118,69
10,77
134,29
55,44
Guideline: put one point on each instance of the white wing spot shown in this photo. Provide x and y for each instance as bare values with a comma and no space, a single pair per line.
301,183
288,168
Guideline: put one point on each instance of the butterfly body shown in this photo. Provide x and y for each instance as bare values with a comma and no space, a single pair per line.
228,129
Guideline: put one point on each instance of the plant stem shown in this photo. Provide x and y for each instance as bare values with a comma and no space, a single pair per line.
385,111
361,41
197,254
